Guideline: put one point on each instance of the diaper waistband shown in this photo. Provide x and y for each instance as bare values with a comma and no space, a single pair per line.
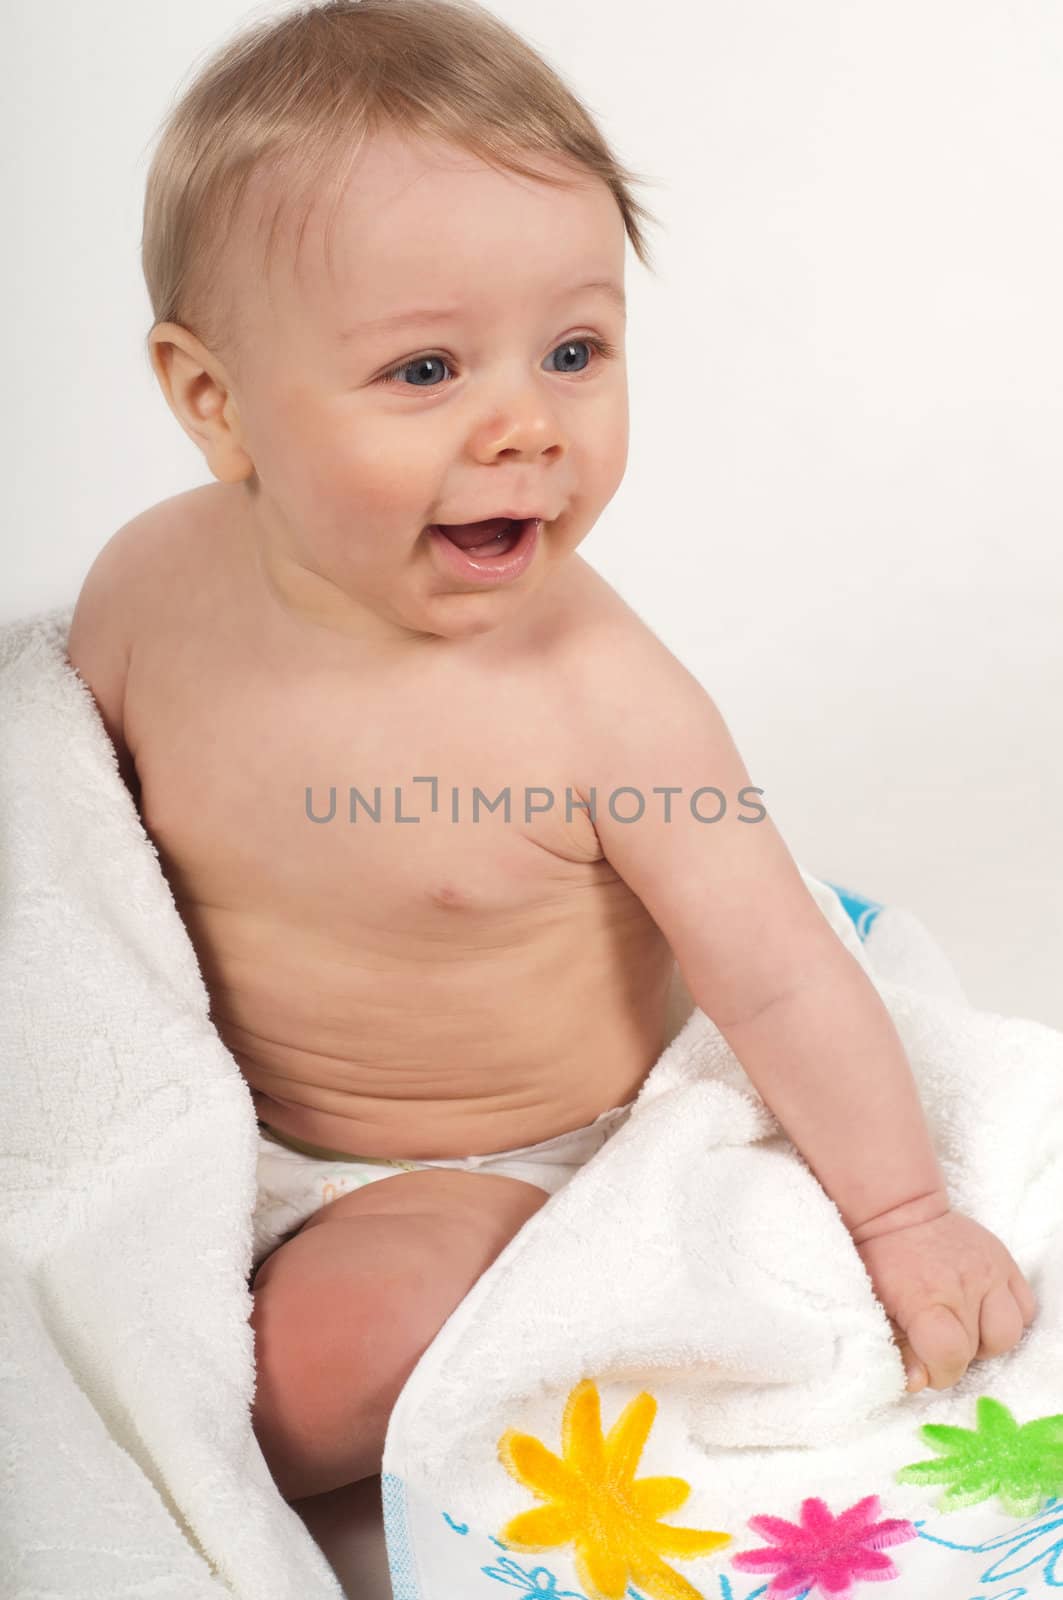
561,1143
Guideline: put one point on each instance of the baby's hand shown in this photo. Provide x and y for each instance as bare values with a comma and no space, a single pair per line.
952,1292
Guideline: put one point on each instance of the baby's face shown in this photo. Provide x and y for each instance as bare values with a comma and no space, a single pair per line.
498,400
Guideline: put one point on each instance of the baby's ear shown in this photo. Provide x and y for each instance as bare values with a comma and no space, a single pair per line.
198,391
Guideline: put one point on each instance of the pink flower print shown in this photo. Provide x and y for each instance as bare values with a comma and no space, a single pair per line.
829,1552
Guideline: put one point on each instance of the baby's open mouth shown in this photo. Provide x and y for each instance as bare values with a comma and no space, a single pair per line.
494,536
492,552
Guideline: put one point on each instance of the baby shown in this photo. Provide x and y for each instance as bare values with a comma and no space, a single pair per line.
324,670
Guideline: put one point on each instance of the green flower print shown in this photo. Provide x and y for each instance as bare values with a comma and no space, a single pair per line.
1023,1465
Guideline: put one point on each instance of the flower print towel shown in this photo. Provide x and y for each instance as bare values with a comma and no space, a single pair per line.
687,1324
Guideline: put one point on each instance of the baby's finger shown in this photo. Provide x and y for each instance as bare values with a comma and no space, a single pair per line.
915,1371
941,1342
1024,1295
1000,1321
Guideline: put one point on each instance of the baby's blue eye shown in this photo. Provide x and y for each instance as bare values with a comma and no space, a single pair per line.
572,344
419,365
422,362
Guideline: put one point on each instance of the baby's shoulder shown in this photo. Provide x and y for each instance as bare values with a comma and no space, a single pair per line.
169,563
115,603
609,651
138,582
140,561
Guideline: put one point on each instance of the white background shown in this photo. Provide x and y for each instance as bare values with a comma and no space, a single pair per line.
844,498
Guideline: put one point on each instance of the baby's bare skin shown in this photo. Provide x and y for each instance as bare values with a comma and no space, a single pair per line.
422,990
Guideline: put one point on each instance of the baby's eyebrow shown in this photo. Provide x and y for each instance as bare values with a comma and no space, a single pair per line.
404,319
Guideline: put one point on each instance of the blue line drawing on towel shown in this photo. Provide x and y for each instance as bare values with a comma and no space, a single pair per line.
727,1593
862,911
540,1582
1026,1544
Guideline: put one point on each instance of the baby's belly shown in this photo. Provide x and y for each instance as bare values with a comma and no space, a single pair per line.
452,1049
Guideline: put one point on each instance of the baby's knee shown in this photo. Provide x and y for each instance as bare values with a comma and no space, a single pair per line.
341,1316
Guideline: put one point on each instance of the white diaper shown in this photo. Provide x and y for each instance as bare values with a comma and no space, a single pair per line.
293,1183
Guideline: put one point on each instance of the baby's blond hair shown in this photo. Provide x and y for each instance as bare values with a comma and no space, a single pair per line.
293,98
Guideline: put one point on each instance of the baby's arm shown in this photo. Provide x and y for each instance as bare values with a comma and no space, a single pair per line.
827,1058
99,642
755,950
801,1015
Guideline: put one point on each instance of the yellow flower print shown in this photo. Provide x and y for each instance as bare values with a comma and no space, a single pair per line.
598,1506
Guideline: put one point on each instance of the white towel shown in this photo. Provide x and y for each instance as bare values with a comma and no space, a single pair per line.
694,1258
127,1177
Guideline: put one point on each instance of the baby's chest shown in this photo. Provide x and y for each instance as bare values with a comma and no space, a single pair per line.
311,804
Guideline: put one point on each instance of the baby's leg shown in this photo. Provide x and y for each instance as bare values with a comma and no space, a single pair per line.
344,1310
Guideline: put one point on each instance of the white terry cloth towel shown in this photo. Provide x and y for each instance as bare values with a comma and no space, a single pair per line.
128,1146
694,1284
694,1257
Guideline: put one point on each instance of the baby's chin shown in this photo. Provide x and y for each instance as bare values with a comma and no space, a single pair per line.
455,616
